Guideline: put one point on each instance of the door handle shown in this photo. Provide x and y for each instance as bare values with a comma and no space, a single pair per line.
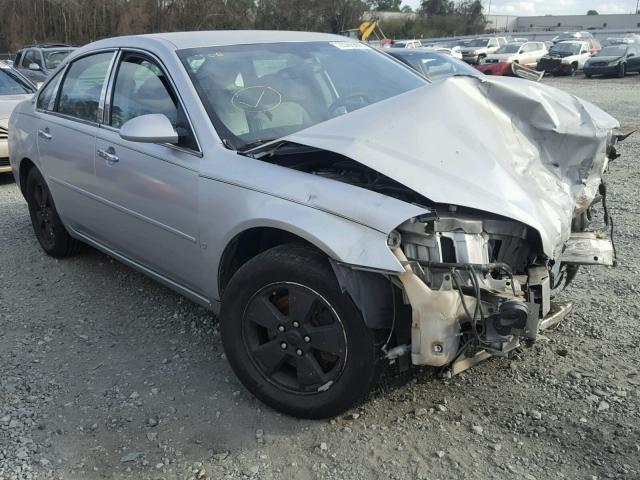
109,155
45,134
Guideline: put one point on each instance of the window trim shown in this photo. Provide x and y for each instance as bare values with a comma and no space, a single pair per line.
106,113
64,72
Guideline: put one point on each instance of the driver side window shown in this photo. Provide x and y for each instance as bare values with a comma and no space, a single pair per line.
141,88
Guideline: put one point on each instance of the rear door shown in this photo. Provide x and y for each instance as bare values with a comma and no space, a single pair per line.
69,109
150,191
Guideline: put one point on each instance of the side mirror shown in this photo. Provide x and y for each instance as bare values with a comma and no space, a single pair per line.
151,128
34,66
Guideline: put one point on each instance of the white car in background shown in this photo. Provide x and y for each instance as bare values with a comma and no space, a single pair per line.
14,88
565,58
407,44
524,53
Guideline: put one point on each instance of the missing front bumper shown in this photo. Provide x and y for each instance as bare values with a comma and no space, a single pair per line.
559,311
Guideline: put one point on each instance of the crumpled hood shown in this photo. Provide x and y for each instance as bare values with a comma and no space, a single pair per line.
508,146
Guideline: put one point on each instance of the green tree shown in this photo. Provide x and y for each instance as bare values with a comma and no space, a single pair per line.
384,5
592,12
437,7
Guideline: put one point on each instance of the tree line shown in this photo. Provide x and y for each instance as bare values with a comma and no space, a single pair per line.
78,22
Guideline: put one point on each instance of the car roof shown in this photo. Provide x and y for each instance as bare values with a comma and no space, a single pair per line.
181,40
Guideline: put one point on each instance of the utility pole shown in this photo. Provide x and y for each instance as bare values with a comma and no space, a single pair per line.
489,12
637,6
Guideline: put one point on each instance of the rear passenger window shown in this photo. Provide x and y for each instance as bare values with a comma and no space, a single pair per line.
82,86
46,99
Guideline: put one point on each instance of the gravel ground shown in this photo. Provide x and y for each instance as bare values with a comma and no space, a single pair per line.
106,374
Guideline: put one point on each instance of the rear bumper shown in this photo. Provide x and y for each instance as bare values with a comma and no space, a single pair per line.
5,166
502,68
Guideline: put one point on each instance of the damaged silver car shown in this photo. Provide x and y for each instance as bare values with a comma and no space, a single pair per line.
337,210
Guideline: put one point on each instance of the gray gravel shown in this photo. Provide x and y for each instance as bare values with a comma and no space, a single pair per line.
106,374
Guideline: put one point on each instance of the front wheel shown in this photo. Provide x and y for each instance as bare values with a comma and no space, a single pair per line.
622,70
294,339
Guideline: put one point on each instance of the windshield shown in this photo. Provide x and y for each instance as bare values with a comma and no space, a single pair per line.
261,92
509,48
11,84
613,51
478,42
435,66
572,48
53,58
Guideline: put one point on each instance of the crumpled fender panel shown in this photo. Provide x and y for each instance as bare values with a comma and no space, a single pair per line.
502,145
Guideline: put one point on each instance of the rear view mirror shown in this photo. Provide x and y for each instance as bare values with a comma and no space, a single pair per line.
151,128
34,66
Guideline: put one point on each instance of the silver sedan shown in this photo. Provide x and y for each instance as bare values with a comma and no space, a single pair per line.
337,210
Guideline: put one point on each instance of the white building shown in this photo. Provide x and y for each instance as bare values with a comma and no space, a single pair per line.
577,22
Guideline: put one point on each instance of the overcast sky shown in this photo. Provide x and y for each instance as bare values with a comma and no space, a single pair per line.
554,7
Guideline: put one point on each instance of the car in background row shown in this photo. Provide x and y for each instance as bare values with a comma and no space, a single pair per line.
527,54
614,60
432,64
572,36
565,58
37,62
476,50
631,38
450,48
14,88
406,44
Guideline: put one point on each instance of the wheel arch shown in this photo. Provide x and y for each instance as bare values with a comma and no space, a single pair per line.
251,242
24,167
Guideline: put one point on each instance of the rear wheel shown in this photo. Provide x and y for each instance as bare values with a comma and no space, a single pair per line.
573,69
48,227
294,339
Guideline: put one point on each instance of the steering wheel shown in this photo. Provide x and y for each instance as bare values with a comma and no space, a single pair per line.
346,101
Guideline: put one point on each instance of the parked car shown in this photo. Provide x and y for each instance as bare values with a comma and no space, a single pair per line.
572,36
406,44
432,64
321,197
452,48
527,54
37,62
14,88
614,60
476,50
565,58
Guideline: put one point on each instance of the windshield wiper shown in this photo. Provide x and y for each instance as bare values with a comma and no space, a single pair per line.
253,145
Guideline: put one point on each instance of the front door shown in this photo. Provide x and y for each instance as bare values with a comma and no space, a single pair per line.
150,191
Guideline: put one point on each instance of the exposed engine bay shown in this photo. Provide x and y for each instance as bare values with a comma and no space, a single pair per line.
477,284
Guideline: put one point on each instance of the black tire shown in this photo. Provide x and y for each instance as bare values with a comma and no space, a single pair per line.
622,70
573,70
50,232
259,296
